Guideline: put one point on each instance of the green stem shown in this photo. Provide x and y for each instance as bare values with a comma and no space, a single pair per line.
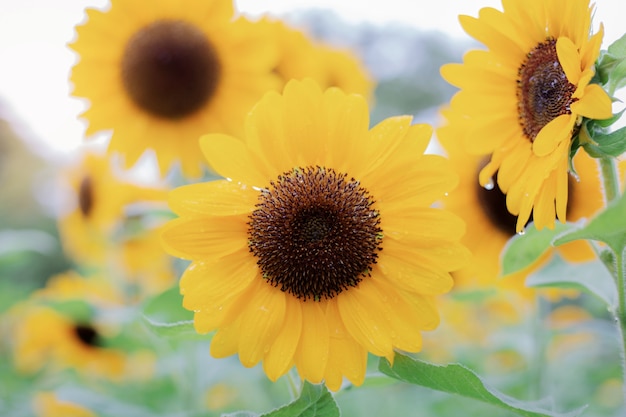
294,385
610,178
620,314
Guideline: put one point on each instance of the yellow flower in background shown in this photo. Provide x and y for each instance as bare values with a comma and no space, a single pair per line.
490,225
46,338
479,320
46,404
162,74
522,99
301,56
97,228
344,70
323,243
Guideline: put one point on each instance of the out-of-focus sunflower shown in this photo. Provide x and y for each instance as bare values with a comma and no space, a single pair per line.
490,225
162,74
96,230
301,56
323,243
522,100
46,404
45,337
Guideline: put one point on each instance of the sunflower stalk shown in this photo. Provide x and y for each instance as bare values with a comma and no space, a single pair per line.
610,178
620,314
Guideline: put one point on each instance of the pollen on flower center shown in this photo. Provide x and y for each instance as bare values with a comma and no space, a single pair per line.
87,335
170,69
315,233
85,196
543,90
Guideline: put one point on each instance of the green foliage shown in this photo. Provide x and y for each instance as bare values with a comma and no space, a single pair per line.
314,401
611,66
601,145
609,226
457,379
165,316
591,277
521,251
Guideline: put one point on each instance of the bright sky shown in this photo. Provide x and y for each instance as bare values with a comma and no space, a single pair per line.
35,63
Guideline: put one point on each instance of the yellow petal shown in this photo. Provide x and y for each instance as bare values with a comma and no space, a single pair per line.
403,318
410,274
482,30
281,355
214,198
426,182
591,49
346,356
594,104
362,313
569,59
312,353
213,288
552,134
421,224
261,321
230,158
203,238
225,341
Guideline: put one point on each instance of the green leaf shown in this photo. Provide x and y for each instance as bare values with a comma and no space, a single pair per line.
457,379
609,226
617,77
165,315
591,277
618,48
607,122
607,144
240,414
314,401
175,330
521,251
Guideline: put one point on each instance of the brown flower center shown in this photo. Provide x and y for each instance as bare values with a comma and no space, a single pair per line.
87,335
492,201
315,233
85,196
170,69
543,91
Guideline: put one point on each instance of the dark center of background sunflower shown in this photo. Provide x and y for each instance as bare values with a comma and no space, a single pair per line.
88,335
315,233
543,91
170,69
85,196
493,204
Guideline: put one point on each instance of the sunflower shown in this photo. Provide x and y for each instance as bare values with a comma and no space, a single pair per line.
96,226
322,244
301,56
160,75
47,338
490,225
97,205
521,101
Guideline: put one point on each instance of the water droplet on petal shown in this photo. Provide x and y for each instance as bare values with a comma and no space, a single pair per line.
522,232
489,185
